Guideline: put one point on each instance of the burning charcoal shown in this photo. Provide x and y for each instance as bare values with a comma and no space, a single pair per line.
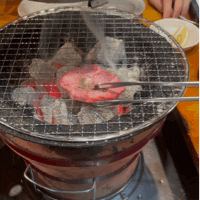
67,56
40,70
55,111
130,91
134,71
132,74
110,51
121,110
75,107
89,115
29,83
23,96
47,104
113,51
122,73
38,112
93,53
60,113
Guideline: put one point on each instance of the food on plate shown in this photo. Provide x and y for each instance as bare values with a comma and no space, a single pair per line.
181,35
79,84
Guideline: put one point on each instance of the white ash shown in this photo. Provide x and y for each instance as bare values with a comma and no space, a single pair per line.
36,116
27,82
136,59
132,74
47,103
113,51
41,70
70,59
134,71
129,92
125,74
67,56
57,109
122,74
93,53
89,115
61,115
109,51
160,108
23,95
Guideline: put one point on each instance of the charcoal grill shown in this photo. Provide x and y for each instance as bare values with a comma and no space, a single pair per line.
53,149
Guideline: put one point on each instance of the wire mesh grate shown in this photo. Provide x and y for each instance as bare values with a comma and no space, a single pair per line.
41,36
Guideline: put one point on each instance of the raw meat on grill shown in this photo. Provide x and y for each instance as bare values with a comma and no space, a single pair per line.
60,72
53,84
79,84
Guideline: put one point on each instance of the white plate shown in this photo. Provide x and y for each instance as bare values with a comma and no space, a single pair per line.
26,7
171,25
131,6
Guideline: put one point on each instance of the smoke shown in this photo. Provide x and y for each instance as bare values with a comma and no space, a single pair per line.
96,24
49,38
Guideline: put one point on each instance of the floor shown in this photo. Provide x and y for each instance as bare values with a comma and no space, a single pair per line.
172,168
172,142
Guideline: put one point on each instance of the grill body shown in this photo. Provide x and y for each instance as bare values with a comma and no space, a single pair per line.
70,157
56,167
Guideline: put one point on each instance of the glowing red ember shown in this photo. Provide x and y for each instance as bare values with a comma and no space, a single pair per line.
29,83
57,66
52,89
123,110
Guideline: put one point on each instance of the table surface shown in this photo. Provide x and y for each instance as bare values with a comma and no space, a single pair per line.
188,110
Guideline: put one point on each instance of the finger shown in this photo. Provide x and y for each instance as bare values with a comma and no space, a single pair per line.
167,8
185,7
177,8
158,4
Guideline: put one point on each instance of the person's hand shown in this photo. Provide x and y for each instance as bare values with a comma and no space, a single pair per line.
172,8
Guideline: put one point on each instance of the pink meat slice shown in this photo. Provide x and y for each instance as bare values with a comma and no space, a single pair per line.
79,84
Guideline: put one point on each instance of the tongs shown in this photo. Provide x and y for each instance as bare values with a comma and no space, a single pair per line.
155,83
103,86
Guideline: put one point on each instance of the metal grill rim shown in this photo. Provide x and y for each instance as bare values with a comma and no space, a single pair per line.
113,135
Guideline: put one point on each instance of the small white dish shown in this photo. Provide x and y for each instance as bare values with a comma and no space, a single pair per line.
172,24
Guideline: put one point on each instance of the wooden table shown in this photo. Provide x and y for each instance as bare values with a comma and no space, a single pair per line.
189,111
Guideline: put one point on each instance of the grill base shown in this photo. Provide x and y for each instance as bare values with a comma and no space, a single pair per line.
104,186
130,189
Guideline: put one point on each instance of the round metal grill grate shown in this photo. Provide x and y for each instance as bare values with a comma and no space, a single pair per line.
42,34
